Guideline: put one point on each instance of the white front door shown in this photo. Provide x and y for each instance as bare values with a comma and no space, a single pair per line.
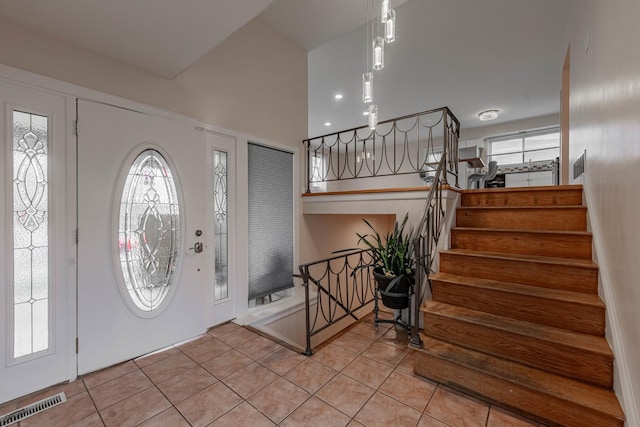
37,308
221,298
142,192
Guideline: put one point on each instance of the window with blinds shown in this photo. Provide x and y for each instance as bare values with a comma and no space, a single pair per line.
270,221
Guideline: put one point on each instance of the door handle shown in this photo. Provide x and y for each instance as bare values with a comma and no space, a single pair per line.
197,247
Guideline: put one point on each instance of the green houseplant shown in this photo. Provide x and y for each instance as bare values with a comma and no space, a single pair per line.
393,261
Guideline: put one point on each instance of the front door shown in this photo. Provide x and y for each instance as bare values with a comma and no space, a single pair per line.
143,273
37,308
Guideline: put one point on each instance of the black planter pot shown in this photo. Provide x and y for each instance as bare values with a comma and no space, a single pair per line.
396,295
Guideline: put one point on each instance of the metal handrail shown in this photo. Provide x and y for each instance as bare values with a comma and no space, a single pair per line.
344,284
398,146
425,245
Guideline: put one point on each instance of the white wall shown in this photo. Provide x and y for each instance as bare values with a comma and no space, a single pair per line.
605,121
254,82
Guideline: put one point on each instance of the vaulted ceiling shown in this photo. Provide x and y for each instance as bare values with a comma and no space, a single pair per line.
467,54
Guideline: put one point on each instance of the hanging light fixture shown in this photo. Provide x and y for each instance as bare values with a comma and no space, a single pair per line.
378,53
367,87
377,37
373,116
390,27
384,11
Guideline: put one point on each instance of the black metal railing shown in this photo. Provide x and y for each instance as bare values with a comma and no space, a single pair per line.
343,283
428,233
403,145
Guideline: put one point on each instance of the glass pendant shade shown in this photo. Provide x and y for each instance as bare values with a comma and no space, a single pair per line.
373,116
384,12
390,27
367,87
378,53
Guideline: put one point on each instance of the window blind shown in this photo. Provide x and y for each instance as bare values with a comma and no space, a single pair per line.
270,220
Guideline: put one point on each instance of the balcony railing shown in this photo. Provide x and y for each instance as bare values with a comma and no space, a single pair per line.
404,145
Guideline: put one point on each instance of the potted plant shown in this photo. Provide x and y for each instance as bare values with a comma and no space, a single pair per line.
393,261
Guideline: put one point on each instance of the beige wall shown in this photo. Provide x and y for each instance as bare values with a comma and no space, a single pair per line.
605,121
254,82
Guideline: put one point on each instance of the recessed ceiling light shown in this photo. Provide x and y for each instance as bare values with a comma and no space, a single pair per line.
338,96
327,123
365,113
488,115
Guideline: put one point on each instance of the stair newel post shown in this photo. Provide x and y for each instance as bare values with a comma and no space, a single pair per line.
305,277
415,340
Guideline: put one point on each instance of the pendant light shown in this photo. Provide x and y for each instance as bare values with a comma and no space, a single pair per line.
367,87
373,116
378,53
384,11
390,27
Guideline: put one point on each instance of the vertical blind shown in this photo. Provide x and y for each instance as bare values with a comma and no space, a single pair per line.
270,220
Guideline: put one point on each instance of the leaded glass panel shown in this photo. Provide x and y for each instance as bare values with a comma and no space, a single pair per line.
220,225
30,234
149,230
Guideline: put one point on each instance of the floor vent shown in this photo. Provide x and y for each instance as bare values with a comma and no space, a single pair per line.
29,410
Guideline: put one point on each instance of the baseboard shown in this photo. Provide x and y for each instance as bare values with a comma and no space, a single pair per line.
625,390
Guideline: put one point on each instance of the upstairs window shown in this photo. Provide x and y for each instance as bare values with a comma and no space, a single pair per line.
525,147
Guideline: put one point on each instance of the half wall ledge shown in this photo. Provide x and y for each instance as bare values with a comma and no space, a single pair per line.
397,201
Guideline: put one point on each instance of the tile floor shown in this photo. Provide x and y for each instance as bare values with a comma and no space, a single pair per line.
232,376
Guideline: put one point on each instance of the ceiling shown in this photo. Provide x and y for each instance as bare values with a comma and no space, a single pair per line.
467,54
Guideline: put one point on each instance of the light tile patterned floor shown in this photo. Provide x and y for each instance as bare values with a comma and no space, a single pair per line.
232,376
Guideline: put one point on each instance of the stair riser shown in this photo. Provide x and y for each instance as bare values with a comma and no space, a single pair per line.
538,405
551,356
525,198
557,219
555,276
514,242
566,315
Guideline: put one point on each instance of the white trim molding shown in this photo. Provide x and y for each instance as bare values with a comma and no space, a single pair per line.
622,377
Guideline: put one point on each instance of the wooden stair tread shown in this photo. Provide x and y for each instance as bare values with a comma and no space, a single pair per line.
528,290
577,392
521,208
575,262
524,189
584,342
524,230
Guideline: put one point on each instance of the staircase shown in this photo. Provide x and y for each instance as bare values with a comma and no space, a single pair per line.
515,316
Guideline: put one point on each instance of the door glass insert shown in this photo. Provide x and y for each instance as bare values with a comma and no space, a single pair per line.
220,225
30,234
149,230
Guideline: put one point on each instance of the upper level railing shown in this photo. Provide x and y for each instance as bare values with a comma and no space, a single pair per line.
404,145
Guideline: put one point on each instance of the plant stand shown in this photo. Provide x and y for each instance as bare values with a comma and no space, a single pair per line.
398,298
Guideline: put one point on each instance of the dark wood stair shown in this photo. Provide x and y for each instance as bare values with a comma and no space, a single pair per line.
515,316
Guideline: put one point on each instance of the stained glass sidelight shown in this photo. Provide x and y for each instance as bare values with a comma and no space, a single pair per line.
220,223
30,234
149,230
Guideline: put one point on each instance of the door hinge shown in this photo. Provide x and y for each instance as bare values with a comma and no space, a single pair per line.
77,235
76,128
77,344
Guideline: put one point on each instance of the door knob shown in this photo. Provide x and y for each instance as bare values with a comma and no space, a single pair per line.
197,247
